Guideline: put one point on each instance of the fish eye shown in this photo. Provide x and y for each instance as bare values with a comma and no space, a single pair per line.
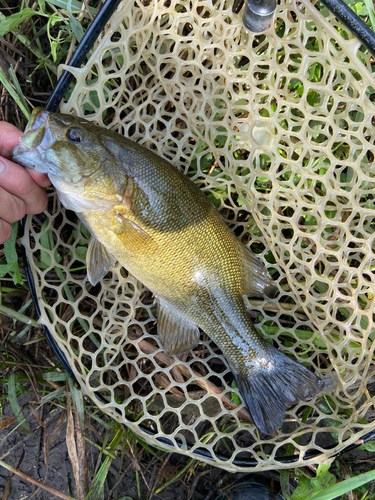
75,135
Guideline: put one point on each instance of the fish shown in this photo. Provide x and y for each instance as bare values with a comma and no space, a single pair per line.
146,214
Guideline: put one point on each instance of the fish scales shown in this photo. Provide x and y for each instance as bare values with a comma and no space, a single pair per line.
150,217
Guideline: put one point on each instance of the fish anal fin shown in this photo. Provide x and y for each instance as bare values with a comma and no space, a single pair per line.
256,278
176,333
99,261
269,390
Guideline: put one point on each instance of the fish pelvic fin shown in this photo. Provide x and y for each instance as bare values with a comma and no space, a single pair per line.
177,334
271,387
99,261
257,280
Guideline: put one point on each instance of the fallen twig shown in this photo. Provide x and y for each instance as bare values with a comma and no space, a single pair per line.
50,490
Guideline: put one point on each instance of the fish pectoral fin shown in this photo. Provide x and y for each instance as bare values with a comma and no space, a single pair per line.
135,236
99,261
177,334
256,279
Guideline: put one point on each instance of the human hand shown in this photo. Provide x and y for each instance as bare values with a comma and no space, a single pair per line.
20,188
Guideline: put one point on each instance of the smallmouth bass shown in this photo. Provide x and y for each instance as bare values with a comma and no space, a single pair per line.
144,213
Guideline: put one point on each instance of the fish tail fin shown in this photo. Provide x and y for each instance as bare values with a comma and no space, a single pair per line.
272,387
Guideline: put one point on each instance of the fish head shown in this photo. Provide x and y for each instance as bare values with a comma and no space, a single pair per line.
58,145
80,158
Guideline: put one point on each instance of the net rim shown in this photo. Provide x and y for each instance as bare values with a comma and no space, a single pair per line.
166,443
302,458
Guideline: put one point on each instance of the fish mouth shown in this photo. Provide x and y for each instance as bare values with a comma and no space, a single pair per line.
34,142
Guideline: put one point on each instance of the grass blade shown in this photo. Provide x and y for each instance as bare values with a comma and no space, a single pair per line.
30,46
53,395
13,402
75,5
343,487
14,95
55,376
10,252
17,86
174,478
18,316
78,403
98,483
12,22
75,25
284,482
371,12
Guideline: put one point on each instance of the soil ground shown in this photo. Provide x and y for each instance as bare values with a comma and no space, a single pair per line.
26,452
135,474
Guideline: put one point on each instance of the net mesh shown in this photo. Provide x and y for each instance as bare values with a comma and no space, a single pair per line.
278,130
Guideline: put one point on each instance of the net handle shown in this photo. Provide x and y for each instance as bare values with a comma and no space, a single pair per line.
345,14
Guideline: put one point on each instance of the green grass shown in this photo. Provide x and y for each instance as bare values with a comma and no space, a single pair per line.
49,37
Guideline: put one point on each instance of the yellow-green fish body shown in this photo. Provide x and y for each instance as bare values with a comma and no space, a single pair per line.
147,215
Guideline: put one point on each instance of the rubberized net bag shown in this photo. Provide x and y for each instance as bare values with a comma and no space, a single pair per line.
278,130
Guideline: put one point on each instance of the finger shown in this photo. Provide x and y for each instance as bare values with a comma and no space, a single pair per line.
17,181
41,179
5,231
12,208
9,137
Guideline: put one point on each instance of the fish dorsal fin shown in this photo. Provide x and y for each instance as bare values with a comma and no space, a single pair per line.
256,279
99,261
177,334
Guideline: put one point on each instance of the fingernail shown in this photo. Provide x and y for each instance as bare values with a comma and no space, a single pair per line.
2,166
